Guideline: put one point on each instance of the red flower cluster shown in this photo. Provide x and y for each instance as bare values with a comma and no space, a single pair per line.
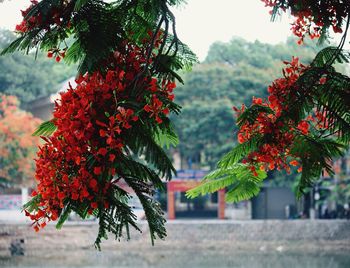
28,24
56,53
281,132
77,164
313,16
32,22
155,108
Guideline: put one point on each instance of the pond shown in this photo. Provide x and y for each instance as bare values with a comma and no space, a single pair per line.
178,258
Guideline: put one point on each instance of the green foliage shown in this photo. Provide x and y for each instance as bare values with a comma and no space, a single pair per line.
117,218
238,178
45,129
64,216
96,29
316,154
239,152
251,114
142,142
153,211
29,78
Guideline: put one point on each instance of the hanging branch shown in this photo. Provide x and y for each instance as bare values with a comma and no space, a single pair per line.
104,132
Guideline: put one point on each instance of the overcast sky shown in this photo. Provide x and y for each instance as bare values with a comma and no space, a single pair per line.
200,22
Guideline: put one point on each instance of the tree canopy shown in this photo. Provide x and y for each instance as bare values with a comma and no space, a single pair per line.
29,78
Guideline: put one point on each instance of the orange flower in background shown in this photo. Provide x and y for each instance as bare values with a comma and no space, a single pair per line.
17,145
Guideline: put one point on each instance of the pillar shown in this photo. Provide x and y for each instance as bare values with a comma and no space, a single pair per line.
171,203
221,204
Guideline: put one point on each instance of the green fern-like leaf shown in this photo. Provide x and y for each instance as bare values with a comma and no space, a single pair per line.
239,179
239,152
141,142
316,155
244,190
63,216
45,129
166,137
132,168
329,55
153,211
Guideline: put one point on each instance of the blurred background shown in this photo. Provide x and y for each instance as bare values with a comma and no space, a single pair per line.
238,60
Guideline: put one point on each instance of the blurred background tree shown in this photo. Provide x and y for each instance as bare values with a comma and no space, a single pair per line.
26,78
17,145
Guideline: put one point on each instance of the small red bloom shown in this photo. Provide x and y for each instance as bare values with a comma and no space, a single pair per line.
75,196
97,170
111,157
294,163
102,151
93,183
61,195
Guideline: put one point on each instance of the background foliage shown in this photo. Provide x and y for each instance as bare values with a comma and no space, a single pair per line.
23,76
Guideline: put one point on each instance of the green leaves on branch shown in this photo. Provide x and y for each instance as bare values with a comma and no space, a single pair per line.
153,211
239,152
117,219
329,55
142,142
45,129
333,98
317,155
92,30
241,182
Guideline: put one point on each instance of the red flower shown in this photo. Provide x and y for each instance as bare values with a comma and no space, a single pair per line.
257,101
61,195
155,108
97,170
303,126
111,157
102,151
93,183
75,196
294,163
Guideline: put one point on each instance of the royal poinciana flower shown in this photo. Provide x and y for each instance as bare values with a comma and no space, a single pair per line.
313,18
56,17
273,123
79,162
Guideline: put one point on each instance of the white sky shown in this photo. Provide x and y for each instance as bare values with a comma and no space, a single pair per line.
200,22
